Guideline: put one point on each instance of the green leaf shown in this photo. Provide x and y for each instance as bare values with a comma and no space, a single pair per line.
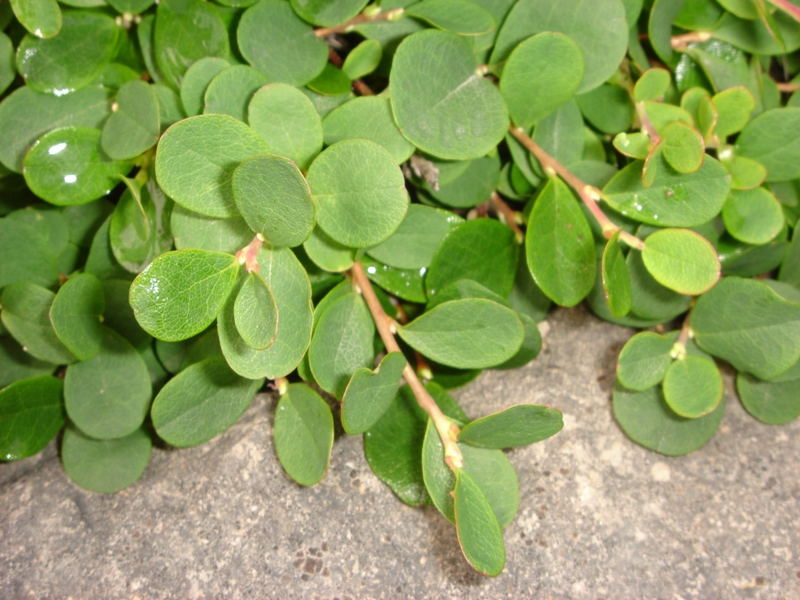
790,267
608,108
753,216
754,37
105,466
518,425
479,533
135,126
76,315
71,60
134,7
647,419
196,159
119,315
328,254
330,82
359,192
26,315
369,393
406,284
16,364
683,147
255,313
674,199
734,107
562,134
616,280
693,386
369,118
773,139
201,402
230,92
560,246
652,85
649,299
288,123
526,297
325,13
465,252
682,260
196,80
276,42
289,283
274,199
547,61
644,360
303,434
67,166
749,325
108,396
775,402
460,16
466,334
193,230
441,102
363,59
473,186
41,17
31,414
746,174
25,255
659,27
530,347
186,31
415,242
181,292
170,109
7,66
342,343
101,261
25,116
602,47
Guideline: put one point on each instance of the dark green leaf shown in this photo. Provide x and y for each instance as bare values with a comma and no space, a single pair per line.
775,402
255,313
518,425
650,299
659,27
406,284
325,13
608,108
193,230
479,533
31,414
25,255
76,315
773,139
753,216
135,125
473,186
119,315
460,16
369,393
16,364
616,280
328,254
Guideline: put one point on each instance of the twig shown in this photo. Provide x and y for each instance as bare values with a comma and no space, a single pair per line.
588,193
358,84
679,42
679,349
446,428
509,216
365,17
423,368
788,87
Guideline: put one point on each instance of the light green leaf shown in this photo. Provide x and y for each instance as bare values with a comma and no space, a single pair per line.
289,283
674,199
602,47
25,255
652,85
773,139
649,299
693,386
659,27
775,402
193,230
415,242
746,173
108,396
71,60
440,102
616,280
683,147
135,126
560,246
288,123
276,42
608,108
328,254
181,292
76,315
201,402
326,13
734,107
466,334
26,315
359,192
31,414
363,59
746,323
230,92
644,360
753,36
196,159
41,17
134,7
303,434
186,31
479,533
105,466
541,74
330,82
681,260
274,199
67,166
753,216
255,313
16,364
518,425
369,393
196,80
460,16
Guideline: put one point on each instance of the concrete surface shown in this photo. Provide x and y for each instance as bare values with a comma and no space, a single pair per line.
600,517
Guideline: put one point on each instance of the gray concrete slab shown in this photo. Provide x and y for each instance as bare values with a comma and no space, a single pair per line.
600,517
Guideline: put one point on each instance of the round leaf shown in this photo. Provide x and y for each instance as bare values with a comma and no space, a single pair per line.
753,216
41,17
230,92
651,85
76,315
325,13
255,313
135,126
693,386
683,147
31,414
196,81
25,255
193,230
734,107
327,254
644,360
681,260
775,402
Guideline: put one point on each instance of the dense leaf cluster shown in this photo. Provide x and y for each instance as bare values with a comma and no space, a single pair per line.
198,197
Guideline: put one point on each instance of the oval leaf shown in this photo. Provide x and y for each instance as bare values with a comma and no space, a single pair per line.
370,393
478,531
644,360
682,260
616,280
693,386
516,426
31,414
256,313
76,315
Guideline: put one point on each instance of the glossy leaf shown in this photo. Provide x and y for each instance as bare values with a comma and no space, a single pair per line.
753,216
41,17
479,533
135,126
681,260
76,315
460,16
644,360
108,396
201,402
303,434
181,292
441,104
369,393
518,425
255,313
616,280
31,414
693,386
406,284
359,192
196,159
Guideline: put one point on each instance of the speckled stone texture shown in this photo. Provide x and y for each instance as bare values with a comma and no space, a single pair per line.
600,517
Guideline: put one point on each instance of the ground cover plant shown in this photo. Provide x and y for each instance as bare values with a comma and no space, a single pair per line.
362,207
